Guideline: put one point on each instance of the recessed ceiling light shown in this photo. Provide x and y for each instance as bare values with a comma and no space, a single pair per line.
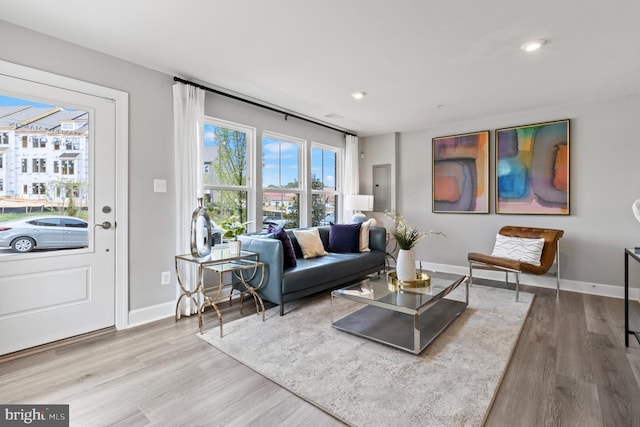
358,95
533,45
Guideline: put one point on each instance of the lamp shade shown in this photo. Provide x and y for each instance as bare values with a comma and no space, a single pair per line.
358,202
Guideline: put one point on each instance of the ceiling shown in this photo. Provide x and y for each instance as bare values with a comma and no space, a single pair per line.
409,56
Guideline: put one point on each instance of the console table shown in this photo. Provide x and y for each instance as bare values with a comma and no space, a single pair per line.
240,268
628,253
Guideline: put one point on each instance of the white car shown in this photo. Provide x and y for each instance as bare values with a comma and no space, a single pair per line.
44,232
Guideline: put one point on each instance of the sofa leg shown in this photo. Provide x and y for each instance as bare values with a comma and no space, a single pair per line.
282,309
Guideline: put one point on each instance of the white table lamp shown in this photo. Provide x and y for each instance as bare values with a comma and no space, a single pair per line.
358,203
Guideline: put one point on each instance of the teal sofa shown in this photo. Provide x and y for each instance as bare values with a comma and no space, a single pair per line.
313,275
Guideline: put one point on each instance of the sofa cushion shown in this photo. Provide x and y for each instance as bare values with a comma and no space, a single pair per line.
344,238
310,242
364,235
289,259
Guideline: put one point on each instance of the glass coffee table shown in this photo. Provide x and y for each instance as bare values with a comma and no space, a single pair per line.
408,318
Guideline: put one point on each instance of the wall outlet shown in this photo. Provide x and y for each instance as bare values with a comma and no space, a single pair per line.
159,186
165,277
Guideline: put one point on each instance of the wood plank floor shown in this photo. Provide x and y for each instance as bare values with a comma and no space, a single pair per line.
570,368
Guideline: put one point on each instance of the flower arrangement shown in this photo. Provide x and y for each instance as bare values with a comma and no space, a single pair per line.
233,227
405,235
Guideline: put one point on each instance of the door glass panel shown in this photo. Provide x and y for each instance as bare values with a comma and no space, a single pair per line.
44,171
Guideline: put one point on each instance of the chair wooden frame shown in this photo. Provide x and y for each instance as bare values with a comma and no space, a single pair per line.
550,255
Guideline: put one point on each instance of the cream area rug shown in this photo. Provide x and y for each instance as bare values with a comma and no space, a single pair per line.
364,383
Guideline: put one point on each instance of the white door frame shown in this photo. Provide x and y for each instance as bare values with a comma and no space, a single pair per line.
121,100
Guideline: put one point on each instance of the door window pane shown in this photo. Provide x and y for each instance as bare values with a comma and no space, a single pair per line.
32,137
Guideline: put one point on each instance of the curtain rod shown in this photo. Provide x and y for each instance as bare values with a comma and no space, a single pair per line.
256,104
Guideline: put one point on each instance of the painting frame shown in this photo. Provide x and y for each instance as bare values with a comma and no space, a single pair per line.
460,173
532,169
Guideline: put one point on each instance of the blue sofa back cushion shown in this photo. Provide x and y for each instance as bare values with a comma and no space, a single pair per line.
289,259
344,238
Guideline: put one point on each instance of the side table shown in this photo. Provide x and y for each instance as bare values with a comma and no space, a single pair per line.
628,253
222,262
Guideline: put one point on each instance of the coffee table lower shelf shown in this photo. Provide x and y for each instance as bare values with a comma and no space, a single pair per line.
412,333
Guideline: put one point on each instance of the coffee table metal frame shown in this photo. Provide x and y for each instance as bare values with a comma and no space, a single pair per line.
408,318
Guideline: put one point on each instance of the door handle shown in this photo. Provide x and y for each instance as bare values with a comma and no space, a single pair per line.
106,225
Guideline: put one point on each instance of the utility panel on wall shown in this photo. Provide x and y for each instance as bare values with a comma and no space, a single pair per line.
382,188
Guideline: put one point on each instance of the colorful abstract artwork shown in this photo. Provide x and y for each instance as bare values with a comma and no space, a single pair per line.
461,173
532,169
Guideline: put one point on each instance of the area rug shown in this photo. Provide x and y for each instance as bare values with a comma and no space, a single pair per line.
364,383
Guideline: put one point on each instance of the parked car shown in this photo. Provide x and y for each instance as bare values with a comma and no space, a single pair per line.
44,232
273,221
216,232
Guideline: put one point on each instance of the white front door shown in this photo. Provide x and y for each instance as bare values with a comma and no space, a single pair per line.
47,295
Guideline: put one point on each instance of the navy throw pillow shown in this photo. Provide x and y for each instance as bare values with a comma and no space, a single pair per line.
344,238
287,246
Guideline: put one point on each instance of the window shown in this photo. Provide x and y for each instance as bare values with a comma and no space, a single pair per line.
324,189
25,166
25,143
4,138
38,188
281,180
1,184
39,165
56,144
56,166
1,162
227,170
67,167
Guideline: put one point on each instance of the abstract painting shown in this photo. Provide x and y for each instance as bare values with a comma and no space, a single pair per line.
532,169
461,173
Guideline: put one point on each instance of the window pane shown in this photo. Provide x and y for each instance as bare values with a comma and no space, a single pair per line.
225,156
41,175
280,167
323,169
222,204
323,209
280,209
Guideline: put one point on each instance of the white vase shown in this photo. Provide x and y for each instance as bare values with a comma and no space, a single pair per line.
234,247
406,265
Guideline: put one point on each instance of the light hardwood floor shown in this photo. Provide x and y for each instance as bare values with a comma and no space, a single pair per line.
570,368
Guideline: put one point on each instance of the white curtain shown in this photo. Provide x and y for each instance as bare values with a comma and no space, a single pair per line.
351,184
188,133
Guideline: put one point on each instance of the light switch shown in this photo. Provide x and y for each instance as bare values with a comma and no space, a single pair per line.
159,185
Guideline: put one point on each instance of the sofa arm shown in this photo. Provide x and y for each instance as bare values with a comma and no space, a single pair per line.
378,239
269,252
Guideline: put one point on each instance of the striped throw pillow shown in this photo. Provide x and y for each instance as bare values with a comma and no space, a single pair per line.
518,249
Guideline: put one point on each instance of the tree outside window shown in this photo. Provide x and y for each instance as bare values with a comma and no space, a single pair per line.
226,172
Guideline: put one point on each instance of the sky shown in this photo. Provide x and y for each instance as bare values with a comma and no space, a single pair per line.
7,100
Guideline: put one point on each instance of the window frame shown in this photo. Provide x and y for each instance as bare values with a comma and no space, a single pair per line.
301,191
250,186
337,193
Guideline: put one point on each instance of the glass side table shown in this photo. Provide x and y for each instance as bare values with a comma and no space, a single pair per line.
241,269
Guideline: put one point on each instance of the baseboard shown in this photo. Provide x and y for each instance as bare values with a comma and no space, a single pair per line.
151,314
549,281
157,312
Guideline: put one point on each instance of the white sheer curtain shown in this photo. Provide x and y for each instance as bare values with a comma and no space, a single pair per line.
188,133
351,184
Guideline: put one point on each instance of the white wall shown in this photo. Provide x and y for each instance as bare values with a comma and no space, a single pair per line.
604,155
